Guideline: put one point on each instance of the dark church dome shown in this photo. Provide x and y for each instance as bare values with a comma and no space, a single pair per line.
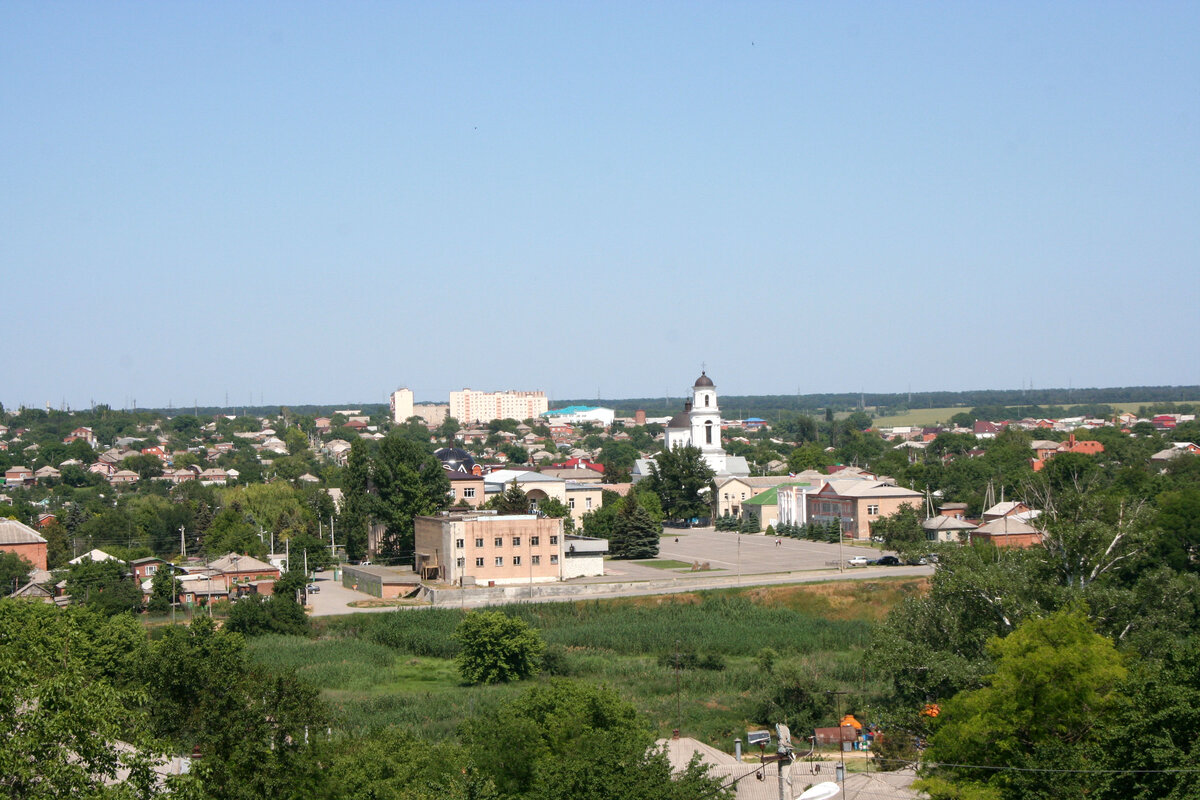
703,380
455,459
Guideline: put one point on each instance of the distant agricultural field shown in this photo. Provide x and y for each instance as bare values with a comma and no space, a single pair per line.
932,416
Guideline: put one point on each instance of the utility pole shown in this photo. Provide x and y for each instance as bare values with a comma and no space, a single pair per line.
332,550
739,557
841,540
841,744
182,544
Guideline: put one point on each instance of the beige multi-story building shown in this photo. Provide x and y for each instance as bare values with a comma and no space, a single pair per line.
432,413
486,549
402,405
858,503
471,407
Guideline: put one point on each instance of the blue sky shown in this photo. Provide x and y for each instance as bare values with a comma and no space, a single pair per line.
316,203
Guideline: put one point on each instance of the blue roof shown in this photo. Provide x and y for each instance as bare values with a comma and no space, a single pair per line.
568,410
755,419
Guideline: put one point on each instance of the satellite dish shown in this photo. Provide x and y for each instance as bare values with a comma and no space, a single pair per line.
758,737
821,791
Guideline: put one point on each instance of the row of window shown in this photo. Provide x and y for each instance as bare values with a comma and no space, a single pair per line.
587,501
534,541
516,561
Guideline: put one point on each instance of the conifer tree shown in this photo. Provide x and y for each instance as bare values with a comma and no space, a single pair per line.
635,533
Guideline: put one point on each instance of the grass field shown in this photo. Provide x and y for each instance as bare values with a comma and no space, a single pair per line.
397,669
932,416
665,563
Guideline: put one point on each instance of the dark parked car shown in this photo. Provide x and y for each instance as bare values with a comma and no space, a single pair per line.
889,561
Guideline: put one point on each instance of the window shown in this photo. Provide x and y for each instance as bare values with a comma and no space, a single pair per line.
479,542
460,543
587,503
516,561
553,540
479,562
469,491
706,399
873,509
516,541
708,431
536,560
499,541
743,495
534,541
461,562
571,503
554,559
499,561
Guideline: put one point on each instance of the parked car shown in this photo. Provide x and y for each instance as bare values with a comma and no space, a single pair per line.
889,561
313,588
857,561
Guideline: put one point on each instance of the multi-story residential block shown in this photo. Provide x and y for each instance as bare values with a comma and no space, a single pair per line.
432,413
401,402
471,407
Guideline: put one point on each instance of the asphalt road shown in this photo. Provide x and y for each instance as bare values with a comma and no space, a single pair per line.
733,559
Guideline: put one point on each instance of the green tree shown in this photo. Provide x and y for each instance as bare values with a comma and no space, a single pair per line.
448,429
565,739
556,509
164,589
296,441
354,519
1179,520
808,456
409,481
497,648
249,724
681,479
146,466
512,500
14,572
515,453
105,586
600,522
254,615
1051,694
635,534
63,714
901,531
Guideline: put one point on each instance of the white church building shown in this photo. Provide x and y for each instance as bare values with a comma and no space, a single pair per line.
699,425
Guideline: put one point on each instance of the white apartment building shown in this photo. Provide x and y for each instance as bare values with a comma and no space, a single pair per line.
470,407
402,405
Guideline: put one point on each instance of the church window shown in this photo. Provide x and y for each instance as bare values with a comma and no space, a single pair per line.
706,398
708,432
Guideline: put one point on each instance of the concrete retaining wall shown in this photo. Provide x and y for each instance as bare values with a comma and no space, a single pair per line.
515,594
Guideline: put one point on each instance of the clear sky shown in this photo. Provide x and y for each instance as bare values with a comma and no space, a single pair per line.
317,203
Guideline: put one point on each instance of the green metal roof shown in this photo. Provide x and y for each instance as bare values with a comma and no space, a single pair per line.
771,496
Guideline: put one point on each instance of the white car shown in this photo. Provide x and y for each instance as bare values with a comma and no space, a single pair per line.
857,561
